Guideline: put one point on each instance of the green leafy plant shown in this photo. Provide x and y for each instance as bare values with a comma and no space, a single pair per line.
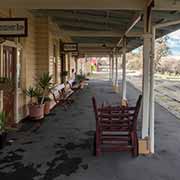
41,90
31,92
80,78
45,84
46,99
2,121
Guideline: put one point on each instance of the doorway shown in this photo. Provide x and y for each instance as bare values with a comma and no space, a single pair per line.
9,74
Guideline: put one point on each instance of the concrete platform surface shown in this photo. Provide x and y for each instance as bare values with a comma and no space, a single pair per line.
61,149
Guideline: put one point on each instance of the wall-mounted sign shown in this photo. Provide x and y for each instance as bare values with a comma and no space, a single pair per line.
14,27
70,47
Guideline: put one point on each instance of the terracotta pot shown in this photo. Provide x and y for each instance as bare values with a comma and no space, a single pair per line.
36,111
3,139
47,107
82,84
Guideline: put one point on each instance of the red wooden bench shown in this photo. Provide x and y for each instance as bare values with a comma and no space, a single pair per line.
116,128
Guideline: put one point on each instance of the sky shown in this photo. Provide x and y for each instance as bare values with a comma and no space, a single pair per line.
174,43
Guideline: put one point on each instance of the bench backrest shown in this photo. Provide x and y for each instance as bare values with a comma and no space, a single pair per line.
57,90
70,82
116,118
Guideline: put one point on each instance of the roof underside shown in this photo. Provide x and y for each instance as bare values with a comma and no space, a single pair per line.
102,29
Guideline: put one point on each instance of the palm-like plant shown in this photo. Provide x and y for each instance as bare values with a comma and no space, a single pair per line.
2,121
45,83
31,92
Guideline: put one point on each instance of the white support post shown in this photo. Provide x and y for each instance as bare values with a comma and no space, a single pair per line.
110,68
113,69
146,69
124,70
151,98
116,75
146,84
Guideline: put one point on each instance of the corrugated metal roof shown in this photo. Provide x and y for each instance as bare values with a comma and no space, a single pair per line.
106,21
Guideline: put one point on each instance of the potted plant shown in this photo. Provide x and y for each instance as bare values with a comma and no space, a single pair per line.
80,79
45,84
47,105
36,110
3,133
37,96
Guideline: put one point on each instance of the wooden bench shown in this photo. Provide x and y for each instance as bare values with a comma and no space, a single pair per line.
57,92
61,95
73,85
116,128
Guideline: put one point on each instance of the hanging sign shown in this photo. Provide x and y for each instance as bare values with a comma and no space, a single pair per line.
13,27
70,47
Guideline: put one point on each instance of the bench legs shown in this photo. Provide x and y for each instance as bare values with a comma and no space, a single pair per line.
97,149
134,144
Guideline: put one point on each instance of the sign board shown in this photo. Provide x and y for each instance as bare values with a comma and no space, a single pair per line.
70,47
13,27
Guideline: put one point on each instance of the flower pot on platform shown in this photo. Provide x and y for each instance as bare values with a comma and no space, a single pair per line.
47,107
36,111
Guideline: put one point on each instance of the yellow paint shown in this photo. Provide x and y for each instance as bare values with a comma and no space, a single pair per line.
143,146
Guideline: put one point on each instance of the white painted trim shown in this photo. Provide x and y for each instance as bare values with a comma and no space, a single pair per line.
171,23
113,69
151,97
130,27
116,70
124,74
110,68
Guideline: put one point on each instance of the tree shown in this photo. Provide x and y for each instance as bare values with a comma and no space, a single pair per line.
134,59
161,50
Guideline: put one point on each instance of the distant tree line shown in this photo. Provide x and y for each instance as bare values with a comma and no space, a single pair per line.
162,63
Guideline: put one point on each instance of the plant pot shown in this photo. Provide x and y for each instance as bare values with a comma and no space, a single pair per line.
47,107
36,111
3,137
82,84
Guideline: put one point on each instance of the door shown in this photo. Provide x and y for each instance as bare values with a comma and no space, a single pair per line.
63,67
8,62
